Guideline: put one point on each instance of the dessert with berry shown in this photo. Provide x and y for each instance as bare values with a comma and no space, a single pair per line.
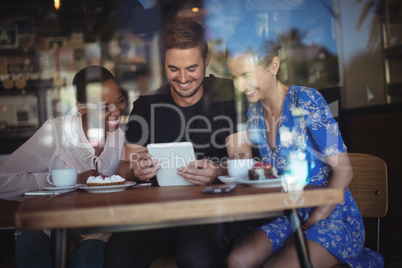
262,171
105,180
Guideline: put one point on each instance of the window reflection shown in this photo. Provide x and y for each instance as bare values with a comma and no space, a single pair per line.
351,45
306,30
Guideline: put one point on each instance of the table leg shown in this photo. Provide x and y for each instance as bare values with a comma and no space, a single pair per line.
60,247
300,240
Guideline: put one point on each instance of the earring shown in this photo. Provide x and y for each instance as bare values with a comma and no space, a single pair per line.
275,73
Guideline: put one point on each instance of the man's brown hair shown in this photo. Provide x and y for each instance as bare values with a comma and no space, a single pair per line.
184,34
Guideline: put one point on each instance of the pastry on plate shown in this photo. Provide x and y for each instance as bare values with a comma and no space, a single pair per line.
262,171
105,181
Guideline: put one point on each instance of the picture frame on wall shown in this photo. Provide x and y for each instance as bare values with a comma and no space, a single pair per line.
8,36
55,43
65,59
26,43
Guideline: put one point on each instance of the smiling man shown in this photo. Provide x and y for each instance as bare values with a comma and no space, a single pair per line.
185,109
185,70
192,108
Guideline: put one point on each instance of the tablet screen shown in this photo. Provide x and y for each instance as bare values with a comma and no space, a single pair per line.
171,156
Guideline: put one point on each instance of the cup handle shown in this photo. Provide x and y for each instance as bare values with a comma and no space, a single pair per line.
48,179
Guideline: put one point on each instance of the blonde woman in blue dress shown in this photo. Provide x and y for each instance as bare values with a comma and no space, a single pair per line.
334,233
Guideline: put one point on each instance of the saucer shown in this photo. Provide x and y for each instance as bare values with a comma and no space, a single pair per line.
56,188
266,183
107,189
229,179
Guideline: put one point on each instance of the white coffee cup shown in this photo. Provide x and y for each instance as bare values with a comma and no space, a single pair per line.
63,177
239,167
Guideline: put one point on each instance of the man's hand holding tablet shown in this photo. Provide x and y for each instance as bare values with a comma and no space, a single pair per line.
171,158
138,162
178,165
172,164
144,167
202,172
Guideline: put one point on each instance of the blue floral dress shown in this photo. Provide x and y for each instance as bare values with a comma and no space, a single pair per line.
316,132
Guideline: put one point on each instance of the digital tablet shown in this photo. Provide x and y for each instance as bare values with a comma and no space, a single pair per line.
172,156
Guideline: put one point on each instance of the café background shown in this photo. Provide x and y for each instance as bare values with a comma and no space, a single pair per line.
350,49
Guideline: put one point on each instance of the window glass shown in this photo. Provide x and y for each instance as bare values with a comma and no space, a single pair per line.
305,28
349,46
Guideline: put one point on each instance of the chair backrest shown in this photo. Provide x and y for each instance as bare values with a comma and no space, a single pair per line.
369,186
7,210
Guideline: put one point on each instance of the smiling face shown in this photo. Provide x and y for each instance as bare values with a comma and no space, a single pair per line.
252,79
185,71
109,105
113,105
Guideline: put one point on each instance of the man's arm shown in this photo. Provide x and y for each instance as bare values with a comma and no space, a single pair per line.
203,172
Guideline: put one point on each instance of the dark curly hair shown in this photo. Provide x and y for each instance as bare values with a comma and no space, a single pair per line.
90,74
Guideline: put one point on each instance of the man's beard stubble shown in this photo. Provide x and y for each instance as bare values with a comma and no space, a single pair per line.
191,94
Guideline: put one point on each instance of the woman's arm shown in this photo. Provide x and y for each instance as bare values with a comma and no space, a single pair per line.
342,175
325,132
238,145
26,169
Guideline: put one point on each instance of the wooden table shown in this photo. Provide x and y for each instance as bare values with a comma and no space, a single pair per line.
157,207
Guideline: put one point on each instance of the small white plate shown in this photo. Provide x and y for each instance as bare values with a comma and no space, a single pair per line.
267,183
107,189
57,188
230,180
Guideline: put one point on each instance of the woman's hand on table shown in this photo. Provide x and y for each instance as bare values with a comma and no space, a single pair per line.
82,177
143,167
201,172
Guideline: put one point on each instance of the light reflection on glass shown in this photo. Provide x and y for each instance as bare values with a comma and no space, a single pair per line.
295,175
57,4
48,139
94,116
96,136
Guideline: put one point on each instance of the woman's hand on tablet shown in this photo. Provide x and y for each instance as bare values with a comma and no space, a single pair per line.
201,172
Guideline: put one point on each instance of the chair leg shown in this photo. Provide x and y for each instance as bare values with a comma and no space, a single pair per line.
378,234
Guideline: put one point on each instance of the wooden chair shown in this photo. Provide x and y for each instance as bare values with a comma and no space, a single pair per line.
7,210
369,187
7,229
